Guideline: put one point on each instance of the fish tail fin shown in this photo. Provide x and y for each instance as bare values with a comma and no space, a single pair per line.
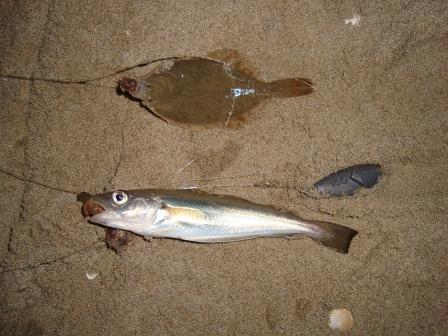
289,87
333,235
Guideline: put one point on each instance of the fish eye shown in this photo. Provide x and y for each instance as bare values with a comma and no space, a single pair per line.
119,197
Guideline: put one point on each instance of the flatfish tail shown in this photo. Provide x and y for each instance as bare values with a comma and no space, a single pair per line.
289,87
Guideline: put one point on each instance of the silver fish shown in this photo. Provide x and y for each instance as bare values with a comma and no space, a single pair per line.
204,218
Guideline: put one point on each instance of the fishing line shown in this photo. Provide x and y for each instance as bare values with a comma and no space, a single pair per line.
318,93
88,81
37,183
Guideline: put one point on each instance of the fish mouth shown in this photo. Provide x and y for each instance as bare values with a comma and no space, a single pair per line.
128,85
90,208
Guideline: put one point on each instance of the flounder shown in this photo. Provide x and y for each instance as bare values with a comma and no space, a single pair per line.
212,92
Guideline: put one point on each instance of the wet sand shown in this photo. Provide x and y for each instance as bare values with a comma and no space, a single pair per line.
384,82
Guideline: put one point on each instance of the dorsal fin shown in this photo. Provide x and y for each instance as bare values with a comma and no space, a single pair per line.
234,59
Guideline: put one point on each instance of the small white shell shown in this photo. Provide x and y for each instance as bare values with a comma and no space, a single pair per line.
354,21
341,319
91,275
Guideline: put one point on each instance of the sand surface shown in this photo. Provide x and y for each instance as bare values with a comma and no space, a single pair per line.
385,83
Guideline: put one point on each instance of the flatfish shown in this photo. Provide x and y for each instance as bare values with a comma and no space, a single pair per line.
212,91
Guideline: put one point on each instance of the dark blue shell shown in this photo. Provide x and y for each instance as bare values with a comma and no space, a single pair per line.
347,181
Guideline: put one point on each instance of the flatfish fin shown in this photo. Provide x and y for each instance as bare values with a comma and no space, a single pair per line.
234,59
